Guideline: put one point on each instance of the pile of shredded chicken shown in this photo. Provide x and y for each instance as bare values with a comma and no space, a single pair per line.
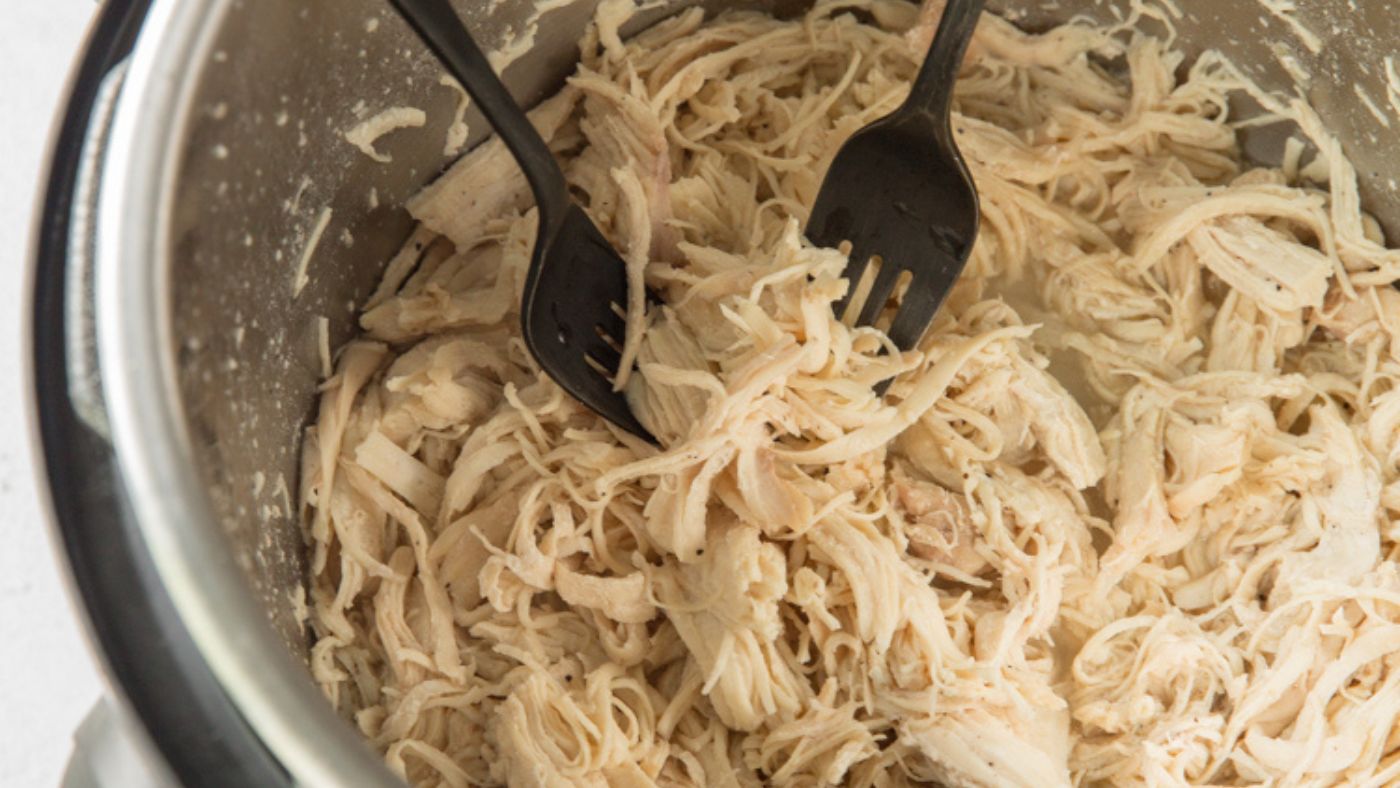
1127,516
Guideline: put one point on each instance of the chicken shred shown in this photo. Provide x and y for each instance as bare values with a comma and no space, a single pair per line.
1125,517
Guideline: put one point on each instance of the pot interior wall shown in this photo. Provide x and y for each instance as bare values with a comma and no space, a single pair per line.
265,160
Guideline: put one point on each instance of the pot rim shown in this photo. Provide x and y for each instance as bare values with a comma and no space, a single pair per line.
135,348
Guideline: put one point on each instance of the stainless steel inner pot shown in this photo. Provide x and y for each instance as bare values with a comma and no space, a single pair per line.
190,354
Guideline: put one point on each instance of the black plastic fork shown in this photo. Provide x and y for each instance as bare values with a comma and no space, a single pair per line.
569,313
898,190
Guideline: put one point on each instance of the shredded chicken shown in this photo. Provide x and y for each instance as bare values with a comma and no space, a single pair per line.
366,133
1125,517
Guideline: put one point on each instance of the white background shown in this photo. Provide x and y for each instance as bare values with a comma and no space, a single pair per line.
47,676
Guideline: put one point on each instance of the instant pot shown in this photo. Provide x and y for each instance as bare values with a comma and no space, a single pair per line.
199,165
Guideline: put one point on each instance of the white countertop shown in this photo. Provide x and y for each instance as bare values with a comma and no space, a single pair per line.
47,676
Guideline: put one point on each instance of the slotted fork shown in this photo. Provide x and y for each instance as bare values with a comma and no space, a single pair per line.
575,278
899,190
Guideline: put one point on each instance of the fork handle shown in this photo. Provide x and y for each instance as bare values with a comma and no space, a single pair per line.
445,34
932,93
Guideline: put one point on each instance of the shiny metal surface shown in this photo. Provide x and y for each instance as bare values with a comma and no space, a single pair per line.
138,255
228,147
